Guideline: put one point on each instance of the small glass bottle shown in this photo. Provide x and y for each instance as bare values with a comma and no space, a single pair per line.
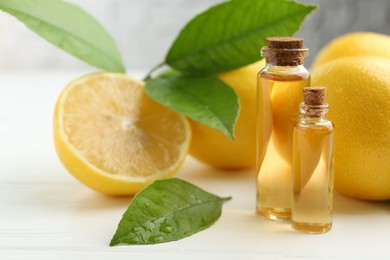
279,92
313,165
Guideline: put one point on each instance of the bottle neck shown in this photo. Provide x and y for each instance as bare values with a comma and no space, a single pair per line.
283,69
284,57
274,61
313,113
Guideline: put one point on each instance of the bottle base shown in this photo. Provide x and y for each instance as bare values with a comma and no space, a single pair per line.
312,228
274,213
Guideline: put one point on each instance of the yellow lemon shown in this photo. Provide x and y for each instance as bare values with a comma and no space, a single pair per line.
354,44
215,148
113,138
358,93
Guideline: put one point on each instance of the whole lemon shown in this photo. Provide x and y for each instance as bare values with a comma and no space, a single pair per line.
354,44
358,93
214,147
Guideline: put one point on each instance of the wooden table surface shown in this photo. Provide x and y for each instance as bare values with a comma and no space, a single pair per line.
46,214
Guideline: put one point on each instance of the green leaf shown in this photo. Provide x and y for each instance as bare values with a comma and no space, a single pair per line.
69,28
205,99
167,210
230,35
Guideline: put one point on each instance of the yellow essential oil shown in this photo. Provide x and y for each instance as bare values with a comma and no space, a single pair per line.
313,165
279,92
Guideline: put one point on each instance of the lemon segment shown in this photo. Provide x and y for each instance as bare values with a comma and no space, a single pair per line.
114,138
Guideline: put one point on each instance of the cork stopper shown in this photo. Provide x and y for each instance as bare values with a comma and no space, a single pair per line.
314,102
285,51
314,96
285,42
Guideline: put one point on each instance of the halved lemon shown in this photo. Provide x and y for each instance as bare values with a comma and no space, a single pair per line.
115,139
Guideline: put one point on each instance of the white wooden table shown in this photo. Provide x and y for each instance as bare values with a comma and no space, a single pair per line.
46,214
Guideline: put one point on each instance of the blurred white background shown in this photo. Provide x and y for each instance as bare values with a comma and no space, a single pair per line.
145,29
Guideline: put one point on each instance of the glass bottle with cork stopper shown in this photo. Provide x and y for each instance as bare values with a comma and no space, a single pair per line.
313,165
279,92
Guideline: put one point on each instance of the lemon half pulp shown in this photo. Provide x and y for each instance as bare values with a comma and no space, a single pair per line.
115,139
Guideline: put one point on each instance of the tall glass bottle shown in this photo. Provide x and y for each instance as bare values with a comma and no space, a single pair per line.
279,92
313,165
